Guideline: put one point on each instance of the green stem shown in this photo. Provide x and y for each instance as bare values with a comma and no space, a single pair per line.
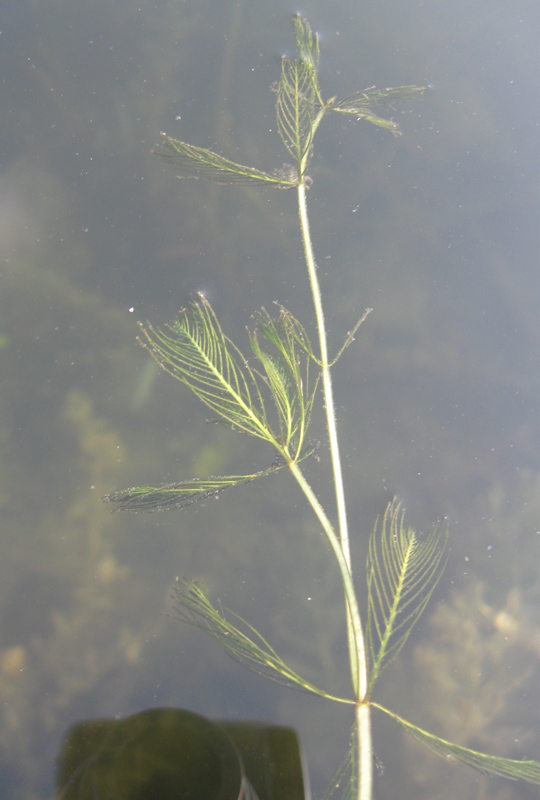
360,677
330,418
355,635
326,376
365,751
362,713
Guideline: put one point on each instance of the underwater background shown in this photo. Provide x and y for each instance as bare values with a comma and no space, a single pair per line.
438,399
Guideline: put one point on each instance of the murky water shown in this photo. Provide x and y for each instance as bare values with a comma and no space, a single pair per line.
437,400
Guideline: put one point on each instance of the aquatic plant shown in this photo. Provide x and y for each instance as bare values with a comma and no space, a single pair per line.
271,399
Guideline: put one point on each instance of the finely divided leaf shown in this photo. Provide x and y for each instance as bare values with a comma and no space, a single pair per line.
349,339
286,372
403,569
513,769
345,779
197,162
298,94
361,105
296,110
184,493
307,47
179,495
195,350
250,648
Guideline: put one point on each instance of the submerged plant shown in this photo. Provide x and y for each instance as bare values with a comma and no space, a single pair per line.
272,400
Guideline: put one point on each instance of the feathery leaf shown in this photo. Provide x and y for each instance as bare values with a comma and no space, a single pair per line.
307,47
349,339
361,104
513,769
403,569
196,352
198,162
179,495
286,372
182,494
298,95
296,111
250,649
345,779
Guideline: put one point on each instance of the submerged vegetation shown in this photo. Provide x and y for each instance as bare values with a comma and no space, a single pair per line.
270,397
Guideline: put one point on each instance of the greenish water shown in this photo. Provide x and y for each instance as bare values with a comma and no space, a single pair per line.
438,399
